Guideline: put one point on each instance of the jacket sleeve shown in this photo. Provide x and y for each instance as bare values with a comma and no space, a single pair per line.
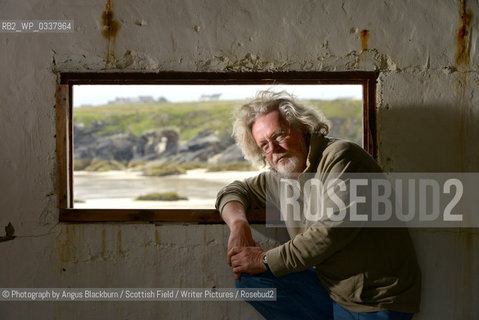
251,192
322,240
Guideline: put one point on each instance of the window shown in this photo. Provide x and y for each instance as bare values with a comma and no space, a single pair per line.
151,130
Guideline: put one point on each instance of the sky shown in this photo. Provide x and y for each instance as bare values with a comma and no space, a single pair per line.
102,94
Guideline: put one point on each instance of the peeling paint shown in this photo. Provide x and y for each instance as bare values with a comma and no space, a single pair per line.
463,37
468,275
461,87
465,273
9,233
68,245
141,22
103,243
462,66
434,50
250,62
49,215
157,236
364,35
119,249
109,31
126,61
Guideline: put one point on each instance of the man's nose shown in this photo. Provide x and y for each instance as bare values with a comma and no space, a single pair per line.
275,147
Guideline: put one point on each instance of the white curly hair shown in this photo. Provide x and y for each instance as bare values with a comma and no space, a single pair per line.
311,120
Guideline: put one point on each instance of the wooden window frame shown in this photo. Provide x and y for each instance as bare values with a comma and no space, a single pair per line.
64,132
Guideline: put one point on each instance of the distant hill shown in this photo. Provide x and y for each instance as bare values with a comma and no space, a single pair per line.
183,132
189,118
192,118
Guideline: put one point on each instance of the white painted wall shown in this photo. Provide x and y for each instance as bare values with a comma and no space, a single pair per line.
427,120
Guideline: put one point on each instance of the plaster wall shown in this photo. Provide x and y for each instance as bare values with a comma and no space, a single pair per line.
428,110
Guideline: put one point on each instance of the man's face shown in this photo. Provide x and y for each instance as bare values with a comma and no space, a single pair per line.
283,145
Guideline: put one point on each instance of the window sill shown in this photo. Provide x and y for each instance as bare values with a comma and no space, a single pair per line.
201,216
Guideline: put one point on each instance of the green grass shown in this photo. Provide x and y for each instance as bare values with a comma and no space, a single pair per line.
159,170
347,112
231,166
165,196
98,165
342,108
170,168
164,169
191,118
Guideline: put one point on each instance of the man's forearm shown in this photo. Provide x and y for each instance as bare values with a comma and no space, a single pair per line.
243,253
234,215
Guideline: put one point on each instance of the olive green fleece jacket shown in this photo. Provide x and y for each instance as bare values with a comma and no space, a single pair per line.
363,269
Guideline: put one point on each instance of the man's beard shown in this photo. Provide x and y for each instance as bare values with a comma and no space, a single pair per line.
289,166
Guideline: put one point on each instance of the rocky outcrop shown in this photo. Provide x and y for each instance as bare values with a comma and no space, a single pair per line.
231,154
154,144
91,143
198,149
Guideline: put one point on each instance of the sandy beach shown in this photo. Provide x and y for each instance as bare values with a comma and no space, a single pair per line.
118,189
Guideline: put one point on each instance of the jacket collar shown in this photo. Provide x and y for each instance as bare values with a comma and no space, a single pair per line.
317,144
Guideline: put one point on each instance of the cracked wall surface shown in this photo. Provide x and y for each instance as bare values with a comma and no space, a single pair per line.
427,104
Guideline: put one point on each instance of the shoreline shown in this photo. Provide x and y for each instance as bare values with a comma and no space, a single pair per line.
118,188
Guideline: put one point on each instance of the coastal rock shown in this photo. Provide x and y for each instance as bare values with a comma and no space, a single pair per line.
91,143
231,154
156,144
198,149
162,145
117,147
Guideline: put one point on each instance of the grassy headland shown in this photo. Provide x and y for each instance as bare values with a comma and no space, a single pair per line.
192,118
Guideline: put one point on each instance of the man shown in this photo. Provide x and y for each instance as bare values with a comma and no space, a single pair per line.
325,271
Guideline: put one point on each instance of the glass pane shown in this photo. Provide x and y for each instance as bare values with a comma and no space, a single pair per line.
170,146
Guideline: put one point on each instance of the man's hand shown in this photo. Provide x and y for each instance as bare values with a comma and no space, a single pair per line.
247,259
240,232
240,236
